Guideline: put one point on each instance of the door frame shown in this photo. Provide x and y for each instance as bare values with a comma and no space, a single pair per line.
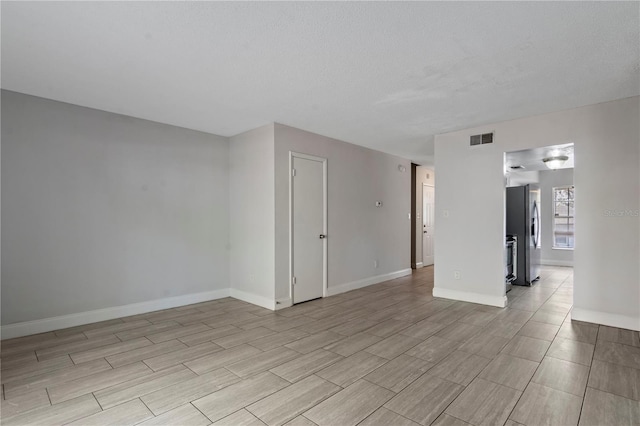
433,218
292,155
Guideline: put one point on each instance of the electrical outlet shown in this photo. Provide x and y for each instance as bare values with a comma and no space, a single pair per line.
456,275
375,263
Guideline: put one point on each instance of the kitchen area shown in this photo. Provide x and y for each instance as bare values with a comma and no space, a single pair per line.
539,212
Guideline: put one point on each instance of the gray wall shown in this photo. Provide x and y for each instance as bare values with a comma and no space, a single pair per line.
606,141
550,179
102,210
358,232
252,216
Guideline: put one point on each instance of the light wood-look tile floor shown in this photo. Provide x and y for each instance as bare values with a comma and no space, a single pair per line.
388,354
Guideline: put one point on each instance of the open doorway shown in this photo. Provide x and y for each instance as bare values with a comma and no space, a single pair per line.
423,220
539,212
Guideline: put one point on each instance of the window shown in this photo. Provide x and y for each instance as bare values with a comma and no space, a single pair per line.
563,221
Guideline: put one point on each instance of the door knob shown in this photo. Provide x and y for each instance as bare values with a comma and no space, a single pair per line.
322,236
424,232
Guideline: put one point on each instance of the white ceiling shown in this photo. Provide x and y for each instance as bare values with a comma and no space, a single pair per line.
384,75
531,159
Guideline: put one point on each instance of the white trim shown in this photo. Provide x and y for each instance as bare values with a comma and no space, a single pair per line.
550,262
353,285
419,265
604,318
254,299
56,323
325,274
283,303
466,296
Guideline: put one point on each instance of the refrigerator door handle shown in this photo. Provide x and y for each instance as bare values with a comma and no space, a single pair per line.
535,225
538,227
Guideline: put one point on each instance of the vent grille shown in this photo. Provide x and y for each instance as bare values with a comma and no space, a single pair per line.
481,139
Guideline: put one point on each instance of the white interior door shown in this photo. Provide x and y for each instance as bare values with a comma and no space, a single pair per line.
427,224
308,213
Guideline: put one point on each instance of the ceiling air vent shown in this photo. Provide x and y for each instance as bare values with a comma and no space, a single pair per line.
481,139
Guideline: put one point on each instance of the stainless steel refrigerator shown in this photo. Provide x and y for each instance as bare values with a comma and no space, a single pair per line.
523,221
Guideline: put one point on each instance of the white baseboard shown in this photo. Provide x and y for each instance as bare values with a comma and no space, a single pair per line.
253,298
604,318
26,328
283,303
464,296
354,285
419,265
550,262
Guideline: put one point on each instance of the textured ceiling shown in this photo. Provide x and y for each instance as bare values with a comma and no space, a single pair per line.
384,75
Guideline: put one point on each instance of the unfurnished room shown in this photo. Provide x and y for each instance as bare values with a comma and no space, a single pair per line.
320,213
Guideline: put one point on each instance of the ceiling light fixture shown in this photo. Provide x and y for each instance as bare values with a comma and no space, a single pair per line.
555,162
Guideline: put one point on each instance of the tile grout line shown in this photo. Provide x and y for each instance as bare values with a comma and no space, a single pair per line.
84,417
449,414
187,367
289,385
253,415
100,405
308,419
143,403
382,406
588,376
49,396
441,412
